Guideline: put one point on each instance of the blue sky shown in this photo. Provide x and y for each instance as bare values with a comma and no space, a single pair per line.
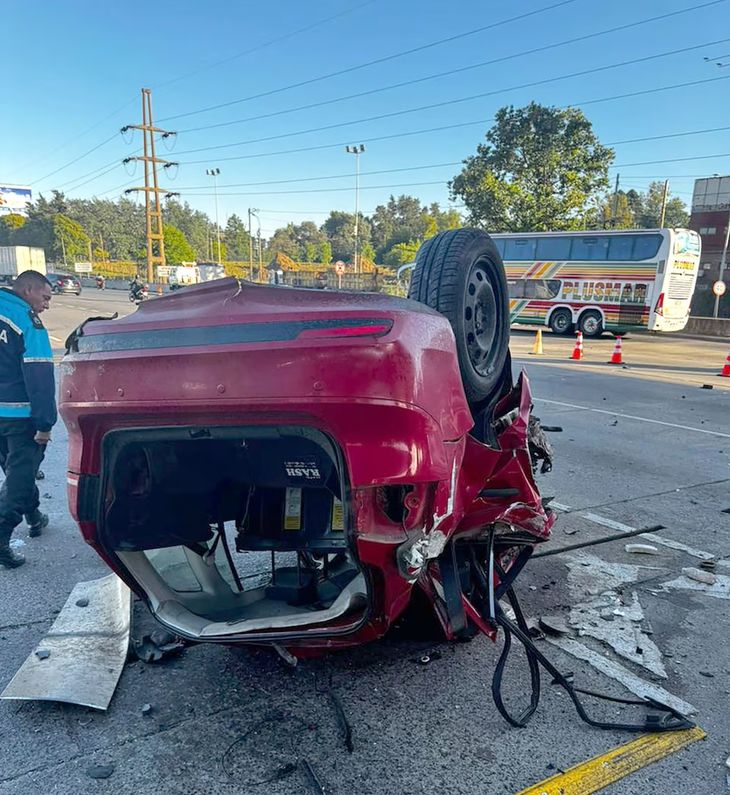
74,71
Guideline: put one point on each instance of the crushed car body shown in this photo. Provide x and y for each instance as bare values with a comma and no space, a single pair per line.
322,438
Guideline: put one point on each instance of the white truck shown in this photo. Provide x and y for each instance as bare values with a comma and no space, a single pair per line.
16,259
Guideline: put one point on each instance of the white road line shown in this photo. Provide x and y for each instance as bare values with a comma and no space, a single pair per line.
664,542
633,417
602,520
560,506
695,553
628,679
55,339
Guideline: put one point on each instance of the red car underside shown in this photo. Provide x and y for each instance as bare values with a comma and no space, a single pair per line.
271,465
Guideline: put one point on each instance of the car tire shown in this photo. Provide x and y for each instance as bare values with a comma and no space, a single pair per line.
591,323
561,321
460,274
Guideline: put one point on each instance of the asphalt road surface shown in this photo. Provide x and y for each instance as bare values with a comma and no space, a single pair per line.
641,446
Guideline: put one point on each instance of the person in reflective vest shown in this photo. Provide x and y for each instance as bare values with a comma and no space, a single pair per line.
27,405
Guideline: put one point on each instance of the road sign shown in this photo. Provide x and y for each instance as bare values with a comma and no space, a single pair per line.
719,288
82,267
339,267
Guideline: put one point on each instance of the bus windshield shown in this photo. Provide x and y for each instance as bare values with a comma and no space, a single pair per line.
601,280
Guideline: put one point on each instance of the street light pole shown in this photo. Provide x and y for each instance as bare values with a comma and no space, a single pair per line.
356,150
213,172
723,263
251,212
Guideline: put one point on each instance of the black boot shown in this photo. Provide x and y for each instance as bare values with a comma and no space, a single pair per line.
9,558
36,522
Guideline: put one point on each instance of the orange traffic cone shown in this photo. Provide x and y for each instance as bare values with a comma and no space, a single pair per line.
616,356
726,369
578,350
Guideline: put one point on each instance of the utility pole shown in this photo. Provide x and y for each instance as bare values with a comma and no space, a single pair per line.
63,248
615,203
357,151
252,211
723,264
151,189
664,204
214,172
261,253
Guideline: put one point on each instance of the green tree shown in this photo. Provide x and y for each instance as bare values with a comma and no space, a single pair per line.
177,248
340,231
237,239
401,254
540,170
324,252
9,224
222,257
70,241
676,214
285,240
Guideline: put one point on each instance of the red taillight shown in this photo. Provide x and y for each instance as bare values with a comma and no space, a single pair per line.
659,308
360,330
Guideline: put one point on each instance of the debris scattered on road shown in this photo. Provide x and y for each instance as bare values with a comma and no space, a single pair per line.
425,659
570,531
347,728
720,588
552,428
708,674
100,771
40,475
554,625
83,602
313,776
47,496
641,549
42,654
709,565
16,543
707,386
706,577
156,646
146,709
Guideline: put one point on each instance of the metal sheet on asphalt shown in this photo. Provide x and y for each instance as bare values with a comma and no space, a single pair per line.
81,658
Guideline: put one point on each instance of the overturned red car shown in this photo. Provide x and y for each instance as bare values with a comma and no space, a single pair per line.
290,467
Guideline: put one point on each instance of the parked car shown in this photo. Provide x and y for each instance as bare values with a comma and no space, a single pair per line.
64,283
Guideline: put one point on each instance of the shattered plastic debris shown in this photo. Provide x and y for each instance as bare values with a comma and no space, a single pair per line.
146,709
641,549
554,625
43,654
157,645
83,602
100,771
706,577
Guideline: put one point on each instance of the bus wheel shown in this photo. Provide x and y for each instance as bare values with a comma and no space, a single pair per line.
591,323
460,274
561,321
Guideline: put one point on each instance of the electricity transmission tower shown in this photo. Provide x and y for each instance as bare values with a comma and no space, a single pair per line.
151,189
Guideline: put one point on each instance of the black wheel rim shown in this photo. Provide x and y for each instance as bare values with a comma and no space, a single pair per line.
561,321
480,318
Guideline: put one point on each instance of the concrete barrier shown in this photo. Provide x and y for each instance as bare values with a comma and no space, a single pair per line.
708,327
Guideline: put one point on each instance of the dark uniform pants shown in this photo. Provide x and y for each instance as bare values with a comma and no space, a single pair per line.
20,458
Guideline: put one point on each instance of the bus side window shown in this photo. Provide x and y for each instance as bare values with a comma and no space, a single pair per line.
499,243
516,288
621,247
646,246
520,248
589,248
541,289
549,248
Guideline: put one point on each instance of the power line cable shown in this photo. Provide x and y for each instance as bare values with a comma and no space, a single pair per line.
449,72
460,100
431,165
75,160
376,61
262,46
75,138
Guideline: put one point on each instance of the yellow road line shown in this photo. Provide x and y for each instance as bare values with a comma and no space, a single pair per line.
597,773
